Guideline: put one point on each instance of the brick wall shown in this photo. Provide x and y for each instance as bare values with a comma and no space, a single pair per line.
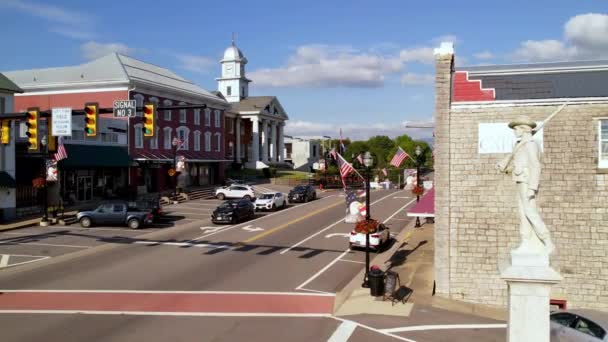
477,219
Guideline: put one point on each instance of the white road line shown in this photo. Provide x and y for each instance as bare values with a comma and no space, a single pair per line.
323,270
269,293
354,261
165,313
396,212
41,244
326,228
343,332
374,329
4,260
249,222
444,327
27,262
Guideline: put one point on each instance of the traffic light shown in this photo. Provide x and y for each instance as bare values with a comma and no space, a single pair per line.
90,119
149,118
33,119
6,132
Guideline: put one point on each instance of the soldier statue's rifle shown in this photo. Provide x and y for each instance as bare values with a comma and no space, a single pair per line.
505,164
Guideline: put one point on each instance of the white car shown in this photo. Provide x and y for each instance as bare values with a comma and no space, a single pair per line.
235,191
377,240
270,201
579,325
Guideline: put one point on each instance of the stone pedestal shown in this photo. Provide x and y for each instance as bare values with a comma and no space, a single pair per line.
529,279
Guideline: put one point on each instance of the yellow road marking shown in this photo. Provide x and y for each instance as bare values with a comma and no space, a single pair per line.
268,232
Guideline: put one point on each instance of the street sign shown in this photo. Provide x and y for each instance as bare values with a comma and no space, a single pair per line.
61,123
125,108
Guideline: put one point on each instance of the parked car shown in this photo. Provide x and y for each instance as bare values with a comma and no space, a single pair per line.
235,191
579,325
302,193
377,240
115,213
270,201
233,211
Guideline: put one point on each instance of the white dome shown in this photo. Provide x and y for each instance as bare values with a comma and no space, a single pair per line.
233,53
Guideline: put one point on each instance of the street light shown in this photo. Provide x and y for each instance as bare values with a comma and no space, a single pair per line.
45,215
368,161
175,144
418,153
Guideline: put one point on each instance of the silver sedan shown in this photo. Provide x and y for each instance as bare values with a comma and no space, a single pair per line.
579,325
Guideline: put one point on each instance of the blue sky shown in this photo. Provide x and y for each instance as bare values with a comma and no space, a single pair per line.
364,66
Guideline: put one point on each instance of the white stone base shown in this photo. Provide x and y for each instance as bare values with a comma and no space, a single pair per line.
529,279
45,223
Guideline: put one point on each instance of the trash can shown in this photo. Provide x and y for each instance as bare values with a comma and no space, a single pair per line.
375,279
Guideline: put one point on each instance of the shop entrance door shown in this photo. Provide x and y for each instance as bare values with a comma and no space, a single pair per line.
84,188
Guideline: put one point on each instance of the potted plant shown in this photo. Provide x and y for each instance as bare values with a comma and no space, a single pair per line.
418,190
367,226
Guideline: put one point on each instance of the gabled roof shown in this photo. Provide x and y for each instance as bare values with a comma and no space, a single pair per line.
113,69
268,105
8,85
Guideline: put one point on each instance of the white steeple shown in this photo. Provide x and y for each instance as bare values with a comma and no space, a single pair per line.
233,84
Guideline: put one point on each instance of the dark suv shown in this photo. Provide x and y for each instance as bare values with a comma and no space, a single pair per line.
302,193
233,211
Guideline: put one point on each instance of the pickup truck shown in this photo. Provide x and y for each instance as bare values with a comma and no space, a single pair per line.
115,213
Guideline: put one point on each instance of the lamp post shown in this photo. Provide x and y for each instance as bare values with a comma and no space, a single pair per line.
418,153
45,203
368,161
175,144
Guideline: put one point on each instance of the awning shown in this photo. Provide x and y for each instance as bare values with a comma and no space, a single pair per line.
88,156
6,180
426,206
167,156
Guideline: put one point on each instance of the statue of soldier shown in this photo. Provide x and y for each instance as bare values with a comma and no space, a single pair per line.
524,164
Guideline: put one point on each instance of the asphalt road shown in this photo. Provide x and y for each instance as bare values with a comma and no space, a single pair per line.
273,277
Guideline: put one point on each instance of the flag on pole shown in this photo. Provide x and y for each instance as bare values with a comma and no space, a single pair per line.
61,152
345,168
333,153
342,148
385,172
399,157
360,159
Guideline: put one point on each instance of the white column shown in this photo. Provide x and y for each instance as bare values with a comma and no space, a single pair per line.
273,142
264,141
281,156
255,142
238,140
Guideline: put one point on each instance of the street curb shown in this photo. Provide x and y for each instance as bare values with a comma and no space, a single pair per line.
343,295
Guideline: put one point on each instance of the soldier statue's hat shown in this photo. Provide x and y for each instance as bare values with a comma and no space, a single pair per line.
522,121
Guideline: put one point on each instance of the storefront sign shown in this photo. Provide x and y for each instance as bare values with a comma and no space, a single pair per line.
61,123
499,138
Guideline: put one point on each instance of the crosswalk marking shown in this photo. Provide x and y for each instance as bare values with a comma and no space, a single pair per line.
4,260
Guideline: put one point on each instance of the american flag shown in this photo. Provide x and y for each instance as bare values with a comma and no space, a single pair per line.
61,152
333,153
345,168
384,172
399,157
360,159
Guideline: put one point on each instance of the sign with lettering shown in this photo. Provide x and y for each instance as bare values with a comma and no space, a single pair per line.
125,108
499,138
61,122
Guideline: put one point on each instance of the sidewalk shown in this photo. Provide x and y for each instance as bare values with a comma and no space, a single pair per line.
411,256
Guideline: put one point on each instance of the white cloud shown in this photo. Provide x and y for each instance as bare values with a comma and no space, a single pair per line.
446,38
484,55
199,64
411,78
352,131
329,66
73,23
586,37
93,50
420,55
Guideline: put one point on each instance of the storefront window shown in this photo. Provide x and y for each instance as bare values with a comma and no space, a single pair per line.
603,143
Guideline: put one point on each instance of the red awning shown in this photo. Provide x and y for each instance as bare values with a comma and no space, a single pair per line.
426,206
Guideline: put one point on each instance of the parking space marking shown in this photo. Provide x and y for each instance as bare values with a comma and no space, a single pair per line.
4,260
337,234
301,286
444,327
275,229
353,261
343,332
269,215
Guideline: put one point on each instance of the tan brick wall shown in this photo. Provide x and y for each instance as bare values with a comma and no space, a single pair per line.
481,213
444,65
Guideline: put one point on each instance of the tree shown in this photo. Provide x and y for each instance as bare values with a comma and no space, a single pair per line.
354,148
380,146
409,146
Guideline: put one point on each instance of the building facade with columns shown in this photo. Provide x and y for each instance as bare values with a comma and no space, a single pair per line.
258,121
477,219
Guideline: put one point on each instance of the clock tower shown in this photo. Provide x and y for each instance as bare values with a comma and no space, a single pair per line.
233,84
